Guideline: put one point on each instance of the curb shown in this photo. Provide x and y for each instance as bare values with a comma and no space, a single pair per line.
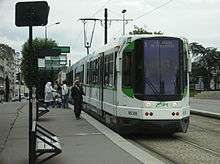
205,113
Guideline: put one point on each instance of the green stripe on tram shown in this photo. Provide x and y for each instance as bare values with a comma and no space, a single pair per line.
128,91
129,47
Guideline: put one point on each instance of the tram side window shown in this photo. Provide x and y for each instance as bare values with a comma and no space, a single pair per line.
88,73
185,66
95,71
82,74
106,77
111,70
77,74
91,72
115,70
108,69
127,69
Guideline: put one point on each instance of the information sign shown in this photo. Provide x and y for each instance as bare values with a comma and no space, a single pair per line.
31,13
63,49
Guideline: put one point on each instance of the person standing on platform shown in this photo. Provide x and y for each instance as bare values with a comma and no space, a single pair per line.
48,91
65,95
77,95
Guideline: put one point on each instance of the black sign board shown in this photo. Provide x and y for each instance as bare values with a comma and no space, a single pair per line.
31,13
48,52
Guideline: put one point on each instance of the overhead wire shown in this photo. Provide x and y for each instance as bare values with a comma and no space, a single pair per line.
156,8
151,11
96,12
101,8
115,13
77,38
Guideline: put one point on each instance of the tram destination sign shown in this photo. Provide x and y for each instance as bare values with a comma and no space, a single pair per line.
33,13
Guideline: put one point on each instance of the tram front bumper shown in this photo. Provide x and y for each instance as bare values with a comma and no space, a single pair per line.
153,126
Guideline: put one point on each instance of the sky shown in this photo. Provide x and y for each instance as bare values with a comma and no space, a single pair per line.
197,20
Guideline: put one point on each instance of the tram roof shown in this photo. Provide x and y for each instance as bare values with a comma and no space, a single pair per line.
115,42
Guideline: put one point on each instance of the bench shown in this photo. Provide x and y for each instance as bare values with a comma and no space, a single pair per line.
44,142
42,109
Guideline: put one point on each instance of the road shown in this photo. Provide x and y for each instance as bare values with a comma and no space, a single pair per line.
8,115
199,145
205,105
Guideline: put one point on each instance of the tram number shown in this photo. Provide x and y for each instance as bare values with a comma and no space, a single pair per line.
132,113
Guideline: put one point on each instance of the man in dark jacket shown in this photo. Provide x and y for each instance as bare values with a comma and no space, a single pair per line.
77,95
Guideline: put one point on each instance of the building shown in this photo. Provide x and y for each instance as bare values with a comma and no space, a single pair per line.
7,71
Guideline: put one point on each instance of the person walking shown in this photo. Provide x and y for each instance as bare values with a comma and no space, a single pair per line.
65,95
77,95
48,91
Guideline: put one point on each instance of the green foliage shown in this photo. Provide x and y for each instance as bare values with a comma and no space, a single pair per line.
29,61
6,51
140,30
205,59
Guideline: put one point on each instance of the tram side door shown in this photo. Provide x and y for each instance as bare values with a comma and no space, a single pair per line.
101,83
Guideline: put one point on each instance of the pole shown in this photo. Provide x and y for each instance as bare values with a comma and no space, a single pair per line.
31,160
123,20
87,50
106,26
45,34
123,23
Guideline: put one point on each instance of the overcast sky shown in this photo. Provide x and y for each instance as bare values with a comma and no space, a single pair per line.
197,20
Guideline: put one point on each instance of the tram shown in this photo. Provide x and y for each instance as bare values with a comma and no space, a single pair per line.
138,83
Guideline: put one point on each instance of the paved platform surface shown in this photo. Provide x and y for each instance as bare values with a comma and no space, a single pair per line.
82,143
206,105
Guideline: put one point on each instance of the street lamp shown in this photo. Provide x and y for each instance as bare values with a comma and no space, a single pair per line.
123,12
49,26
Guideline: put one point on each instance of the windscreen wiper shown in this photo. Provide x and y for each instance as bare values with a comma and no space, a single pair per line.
152,87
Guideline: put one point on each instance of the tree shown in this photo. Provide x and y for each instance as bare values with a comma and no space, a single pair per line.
141,30
29,63
204,61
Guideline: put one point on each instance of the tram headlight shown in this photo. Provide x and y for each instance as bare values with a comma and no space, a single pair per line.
175,104
147,104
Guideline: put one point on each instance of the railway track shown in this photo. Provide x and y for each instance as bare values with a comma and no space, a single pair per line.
177,150
199,145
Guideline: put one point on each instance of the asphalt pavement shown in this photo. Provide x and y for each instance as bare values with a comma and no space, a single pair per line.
8,114
206,105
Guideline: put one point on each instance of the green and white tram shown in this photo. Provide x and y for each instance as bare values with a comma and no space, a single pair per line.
138,83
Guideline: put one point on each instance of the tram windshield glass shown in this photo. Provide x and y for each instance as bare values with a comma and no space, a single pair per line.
159,71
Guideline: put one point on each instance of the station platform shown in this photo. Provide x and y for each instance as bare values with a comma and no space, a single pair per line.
84,141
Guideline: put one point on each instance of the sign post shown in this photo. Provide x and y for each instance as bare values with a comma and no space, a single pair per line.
31,14
31,159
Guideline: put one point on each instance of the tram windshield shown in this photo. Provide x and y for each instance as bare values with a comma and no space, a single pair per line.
158,69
